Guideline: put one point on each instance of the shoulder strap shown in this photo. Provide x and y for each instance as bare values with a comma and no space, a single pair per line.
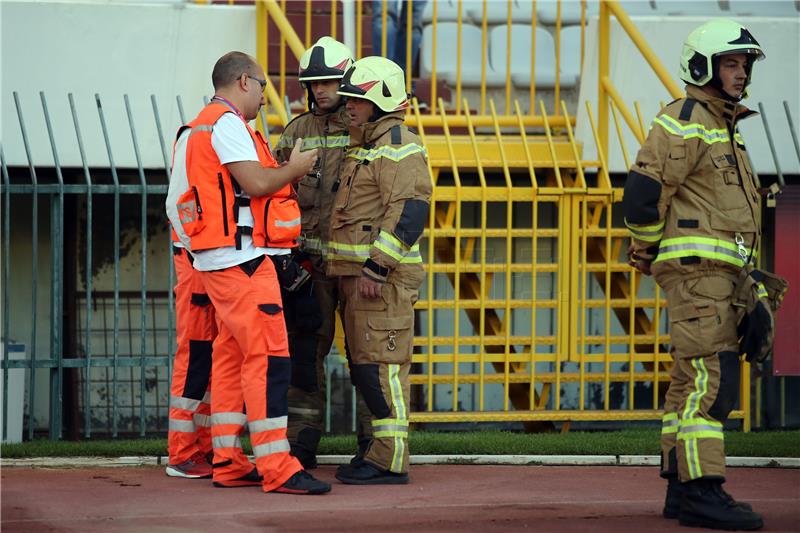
396,135
686,110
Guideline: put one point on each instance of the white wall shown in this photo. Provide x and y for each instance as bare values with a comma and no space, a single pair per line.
775,79
110,48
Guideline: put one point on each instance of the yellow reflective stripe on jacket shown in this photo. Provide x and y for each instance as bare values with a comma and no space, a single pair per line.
761,291
707,247
389,152
651,233
358,253
689,131
738,138
313,245
309,143
669,423
396,249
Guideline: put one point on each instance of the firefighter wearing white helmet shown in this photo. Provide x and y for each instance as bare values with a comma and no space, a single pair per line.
310,310
379,213
693,209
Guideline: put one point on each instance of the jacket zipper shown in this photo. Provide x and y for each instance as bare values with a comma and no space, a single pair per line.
197,203
224,204
266,220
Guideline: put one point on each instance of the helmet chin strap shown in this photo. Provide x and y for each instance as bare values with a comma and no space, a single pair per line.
716,82
312,102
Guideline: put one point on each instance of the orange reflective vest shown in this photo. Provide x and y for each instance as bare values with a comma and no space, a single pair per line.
209,208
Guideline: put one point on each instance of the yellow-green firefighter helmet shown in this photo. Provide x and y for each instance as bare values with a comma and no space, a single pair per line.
715,38
377,79
327,59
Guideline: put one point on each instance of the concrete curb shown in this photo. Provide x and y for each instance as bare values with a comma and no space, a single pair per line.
497,460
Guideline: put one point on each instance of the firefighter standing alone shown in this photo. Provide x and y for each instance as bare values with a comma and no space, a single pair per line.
692,206
379,213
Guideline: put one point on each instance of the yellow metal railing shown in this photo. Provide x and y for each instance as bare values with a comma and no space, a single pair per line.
279,12
529,298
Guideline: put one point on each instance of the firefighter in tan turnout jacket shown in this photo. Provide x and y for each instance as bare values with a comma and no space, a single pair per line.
310,311
379,213
693,209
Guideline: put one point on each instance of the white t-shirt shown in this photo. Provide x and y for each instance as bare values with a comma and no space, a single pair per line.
232,142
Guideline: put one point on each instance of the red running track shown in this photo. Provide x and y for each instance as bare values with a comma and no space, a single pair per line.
439,498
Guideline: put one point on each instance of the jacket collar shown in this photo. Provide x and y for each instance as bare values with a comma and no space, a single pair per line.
338,119
370,132
728,111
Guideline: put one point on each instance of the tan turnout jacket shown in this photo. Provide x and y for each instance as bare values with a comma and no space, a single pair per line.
328,132
382,202
691,200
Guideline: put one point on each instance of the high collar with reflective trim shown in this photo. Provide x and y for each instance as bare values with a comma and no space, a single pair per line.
730,112
369,132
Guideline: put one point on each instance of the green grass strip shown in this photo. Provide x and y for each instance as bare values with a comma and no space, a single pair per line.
625,442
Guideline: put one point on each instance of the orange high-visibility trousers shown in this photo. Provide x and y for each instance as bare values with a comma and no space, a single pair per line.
189,411
251,369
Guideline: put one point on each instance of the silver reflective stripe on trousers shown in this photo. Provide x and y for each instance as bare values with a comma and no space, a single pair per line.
179,402
267,424
181,426
226,441
228,418
277,446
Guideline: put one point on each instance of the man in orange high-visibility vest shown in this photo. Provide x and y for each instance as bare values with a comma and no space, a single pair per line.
232,206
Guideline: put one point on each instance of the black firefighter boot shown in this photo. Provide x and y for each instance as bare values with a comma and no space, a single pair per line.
363,446
672,502
364,473
705,504
305,448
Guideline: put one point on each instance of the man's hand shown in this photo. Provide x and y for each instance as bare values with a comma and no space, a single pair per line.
302,162
368,288
637,262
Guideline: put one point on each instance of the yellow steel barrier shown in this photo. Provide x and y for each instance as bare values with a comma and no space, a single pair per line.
276,11
542,319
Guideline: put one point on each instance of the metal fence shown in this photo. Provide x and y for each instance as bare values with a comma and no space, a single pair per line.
92,352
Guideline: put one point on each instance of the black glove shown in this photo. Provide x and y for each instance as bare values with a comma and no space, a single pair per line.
757,330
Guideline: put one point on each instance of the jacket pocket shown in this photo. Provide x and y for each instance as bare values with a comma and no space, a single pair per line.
388,339
281,220
345,186
728,187
274,329
693,329
307,191
190,212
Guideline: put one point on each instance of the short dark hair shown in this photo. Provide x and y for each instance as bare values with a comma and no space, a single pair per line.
230,67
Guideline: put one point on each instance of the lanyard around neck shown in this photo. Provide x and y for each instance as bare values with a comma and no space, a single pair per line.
229,104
